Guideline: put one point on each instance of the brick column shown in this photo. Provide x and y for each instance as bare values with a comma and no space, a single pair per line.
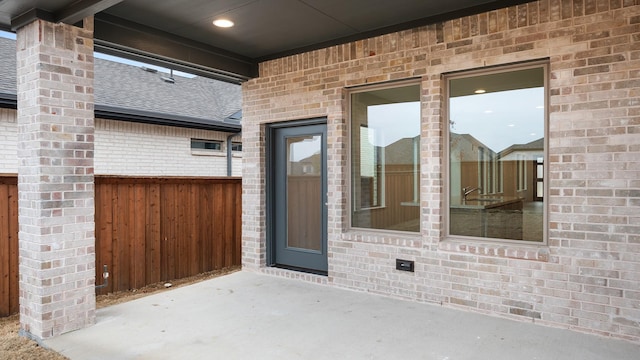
55,178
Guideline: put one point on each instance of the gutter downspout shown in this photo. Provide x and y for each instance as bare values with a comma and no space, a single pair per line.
230,153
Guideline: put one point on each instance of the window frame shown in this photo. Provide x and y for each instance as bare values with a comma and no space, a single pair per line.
234,145
348,165
205,151
445,121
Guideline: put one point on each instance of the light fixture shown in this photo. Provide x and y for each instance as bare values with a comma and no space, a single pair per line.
223,23
480,91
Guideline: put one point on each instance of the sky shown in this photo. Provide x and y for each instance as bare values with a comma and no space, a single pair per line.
303,147
8,35
500,119
392,122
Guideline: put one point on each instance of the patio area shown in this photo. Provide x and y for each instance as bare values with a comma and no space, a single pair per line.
247,315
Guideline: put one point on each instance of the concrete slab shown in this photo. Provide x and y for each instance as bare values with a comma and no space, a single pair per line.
246,315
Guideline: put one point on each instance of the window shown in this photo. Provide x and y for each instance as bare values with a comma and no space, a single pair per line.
236,146
212,145
371,170
496,128
521,176
539,178
385,161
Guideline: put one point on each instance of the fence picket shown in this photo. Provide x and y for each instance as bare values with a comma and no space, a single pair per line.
147,230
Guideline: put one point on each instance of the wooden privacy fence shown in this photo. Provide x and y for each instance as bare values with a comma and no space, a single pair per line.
8,245
156,229
147,230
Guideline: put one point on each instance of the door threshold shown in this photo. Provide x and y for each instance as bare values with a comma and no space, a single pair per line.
301,269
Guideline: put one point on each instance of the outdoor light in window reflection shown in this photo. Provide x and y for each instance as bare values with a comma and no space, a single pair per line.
223,23
480,91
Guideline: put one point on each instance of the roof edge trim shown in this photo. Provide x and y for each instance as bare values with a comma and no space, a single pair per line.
30,16
154,118
8,101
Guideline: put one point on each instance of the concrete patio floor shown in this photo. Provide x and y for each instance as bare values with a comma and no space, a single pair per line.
246,315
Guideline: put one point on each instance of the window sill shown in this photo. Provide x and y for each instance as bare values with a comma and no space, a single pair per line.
409,203
385,237
208,153
511,250
370,208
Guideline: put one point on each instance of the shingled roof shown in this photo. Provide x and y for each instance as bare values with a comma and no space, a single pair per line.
130,93
8,72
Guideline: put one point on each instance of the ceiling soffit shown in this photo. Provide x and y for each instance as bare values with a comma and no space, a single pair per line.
179,34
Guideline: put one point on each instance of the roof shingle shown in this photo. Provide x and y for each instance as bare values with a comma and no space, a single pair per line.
127,87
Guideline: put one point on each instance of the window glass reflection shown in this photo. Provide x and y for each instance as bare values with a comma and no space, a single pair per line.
496,147
385,161
304,192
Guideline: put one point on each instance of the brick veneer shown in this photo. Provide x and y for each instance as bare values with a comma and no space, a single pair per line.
587,277
55,178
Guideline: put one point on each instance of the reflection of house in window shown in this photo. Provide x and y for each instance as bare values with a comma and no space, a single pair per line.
506,173
385,166
499,175
522,160
401,162
496,184
539,179
521,172
372,169
468,166
482,173
307,169
307,166
206,145
236,146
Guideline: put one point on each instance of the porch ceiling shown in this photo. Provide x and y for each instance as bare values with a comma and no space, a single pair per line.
180,32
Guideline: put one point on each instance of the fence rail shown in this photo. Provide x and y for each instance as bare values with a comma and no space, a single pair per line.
147,230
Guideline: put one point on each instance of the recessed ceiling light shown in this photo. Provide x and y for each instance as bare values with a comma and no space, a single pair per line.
480,91
223,23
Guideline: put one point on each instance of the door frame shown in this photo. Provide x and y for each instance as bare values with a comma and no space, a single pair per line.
270,170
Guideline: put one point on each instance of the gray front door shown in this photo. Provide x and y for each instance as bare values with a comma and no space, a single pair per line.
298,188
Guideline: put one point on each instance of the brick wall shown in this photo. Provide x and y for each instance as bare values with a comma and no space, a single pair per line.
55,178
587,277
124,148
